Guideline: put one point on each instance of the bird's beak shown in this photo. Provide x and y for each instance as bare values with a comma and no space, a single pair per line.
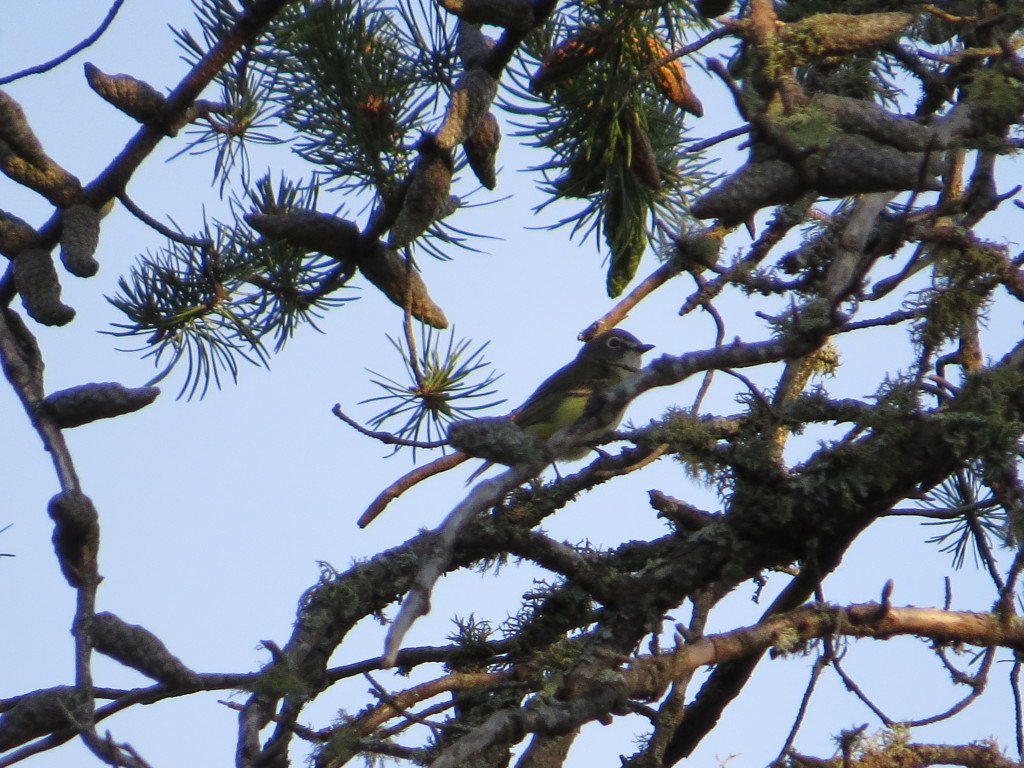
641,348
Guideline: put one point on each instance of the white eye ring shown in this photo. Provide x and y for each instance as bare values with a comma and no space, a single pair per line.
614,342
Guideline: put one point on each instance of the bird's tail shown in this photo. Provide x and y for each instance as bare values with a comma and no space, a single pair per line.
478,471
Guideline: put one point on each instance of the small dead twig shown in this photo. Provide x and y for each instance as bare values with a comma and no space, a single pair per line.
407,481
387,438
170,234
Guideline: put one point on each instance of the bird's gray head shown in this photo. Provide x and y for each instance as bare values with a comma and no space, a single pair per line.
616,349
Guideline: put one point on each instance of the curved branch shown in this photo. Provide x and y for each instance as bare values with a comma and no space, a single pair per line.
57,61
385,437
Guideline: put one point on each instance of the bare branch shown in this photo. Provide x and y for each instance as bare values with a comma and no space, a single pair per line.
78,48
385,437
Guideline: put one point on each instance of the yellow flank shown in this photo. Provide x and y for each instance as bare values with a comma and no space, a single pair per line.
565,413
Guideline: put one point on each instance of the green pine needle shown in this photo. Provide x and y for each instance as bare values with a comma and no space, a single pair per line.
983,520
442,383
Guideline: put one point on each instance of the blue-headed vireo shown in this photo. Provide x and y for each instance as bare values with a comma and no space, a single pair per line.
603,362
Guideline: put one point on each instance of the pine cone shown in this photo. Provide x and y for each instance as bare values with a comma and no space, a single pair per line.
855,165
752,187
572,55
138,648
427,195
482,150
76,536
312,230
36,279
15,234
470,100
670,78
80,405
16,133
874,121
136,98
39,713
79,236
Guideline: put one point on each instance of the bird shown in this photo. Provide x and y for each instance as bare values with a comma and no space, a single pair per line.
604,361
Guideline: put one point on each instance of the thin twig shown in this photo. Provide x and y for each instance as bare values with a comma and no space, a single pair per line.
1018,711
417,599
977,683
819,664
929,77
618,313
170,234
894,318
981,542
410,340
853,688
757,393
414,756
709,375
434,709
47,66
387,438
732,133
117,755
407,481
413,657
394,705
1004,605
945,514
715,65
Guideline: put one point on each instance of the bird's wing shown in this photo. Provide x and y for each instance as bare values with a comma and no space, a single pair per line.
539,410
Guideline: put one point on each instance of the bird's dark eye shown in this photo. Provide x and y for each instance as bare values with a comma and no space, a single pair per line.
614,342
